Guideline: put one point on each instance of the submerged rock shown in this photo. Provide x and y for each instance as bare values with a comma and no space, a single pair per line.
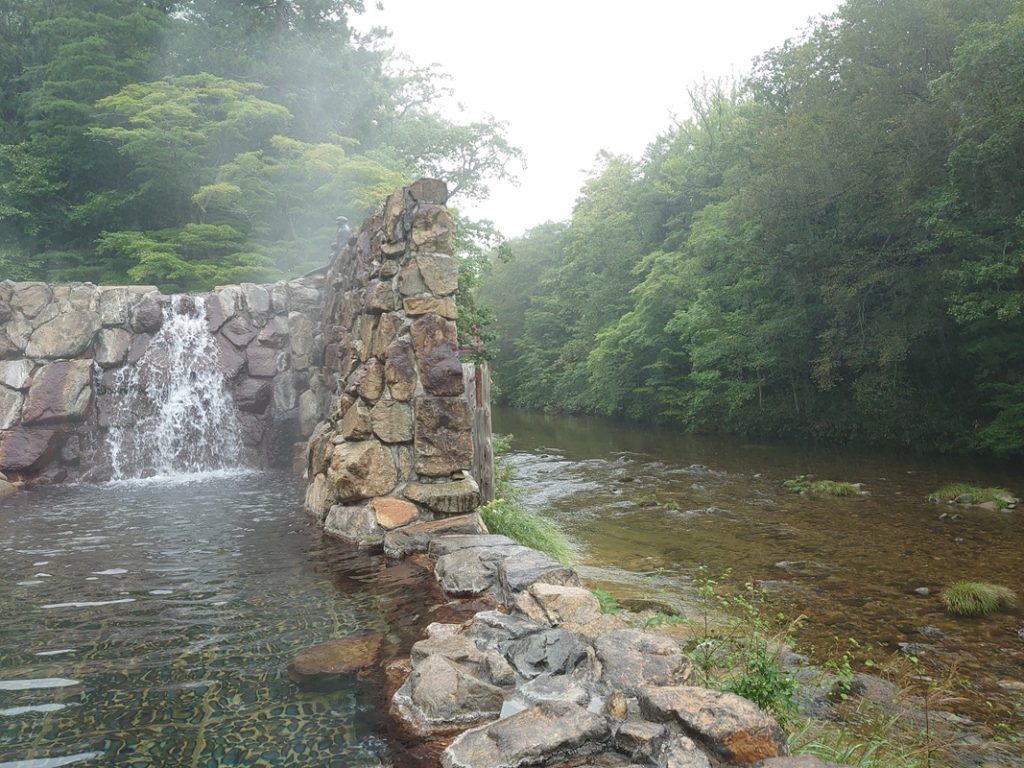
330,663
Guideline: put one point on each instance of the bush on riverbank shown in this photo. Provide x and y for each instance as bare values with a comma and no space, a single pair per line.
977,598
963,493
832,488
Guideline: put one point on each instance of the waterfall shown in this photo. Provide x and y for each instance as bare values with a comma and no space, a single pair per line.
175,416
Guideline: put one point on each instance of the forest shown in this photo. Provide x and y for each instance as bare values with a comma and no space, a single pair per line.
829,247
200,142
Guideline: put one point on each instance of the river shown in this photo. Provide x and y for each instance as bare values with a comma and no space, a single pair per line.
647,507
150,624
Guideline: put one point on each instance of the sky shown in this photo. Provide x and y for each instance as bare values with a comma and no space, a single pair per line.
571,78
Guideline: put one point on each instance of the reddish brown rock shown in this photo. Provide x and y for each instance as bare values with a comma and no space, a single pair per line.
361,470
329,663
444,439
238,331
434,342
416,537
393,513
380,297
400,370
27,449
731,727
60,392
387,330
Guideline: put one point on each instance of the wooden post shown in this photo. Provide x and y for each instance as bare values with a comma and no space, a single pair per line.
477,379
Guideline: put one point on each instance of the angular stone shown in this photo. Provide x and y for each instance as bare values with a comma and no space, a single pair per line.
371,382
320,496
432,229
361,470
632,660
380,297
355,425
27,449
400,370
444,436
116,302
357,524
555,604
303,296
449,543
731,727
484,662
440,273
147,316
387,329
311,410
410,281
493,628
393,513
531,568
638,738
545,734
367,336
112,347
392,422
229,360
429,191
422,305
140,343
440,694
286,390
10,407
563,688
681,752
16,374
30,298
466,572
301,333
416,537
332,662
253,395
67,335
257,299
452,498
274,334
279,298
261,361
434,343
238,331
550,651
60,392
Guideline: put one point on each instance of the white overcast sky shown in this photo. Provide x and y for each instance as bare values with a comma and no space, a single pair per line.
572,77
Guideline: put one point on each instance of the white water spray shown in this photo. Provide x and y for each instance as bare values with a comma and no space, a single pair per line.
175,416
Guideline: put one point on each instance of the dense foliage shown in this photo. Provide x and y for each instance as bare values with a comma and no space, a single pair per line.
833,247
192,142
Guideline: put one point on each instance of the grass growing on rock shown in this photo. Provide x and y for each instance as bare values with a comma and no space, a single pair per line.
507,518
977,598
802,484
963,493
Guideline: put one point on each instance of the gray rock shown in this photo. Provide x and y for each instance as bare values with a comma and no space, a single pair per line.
493,627
447,544
550,651
564,688
416,537
16,374
301,332
30,298
682,752
252,395
274,334
440,694
10,407
639,739
27,449
357,524
238,331
261,361
147,316
112,347
257,299
60,392
480,661
544,734
67,335
229,360
311,411
287,386
115,303
467,572
632,660
518,573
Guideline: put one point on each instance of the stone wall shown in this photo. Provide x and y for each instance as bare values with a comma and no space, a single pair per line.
396,447
62,346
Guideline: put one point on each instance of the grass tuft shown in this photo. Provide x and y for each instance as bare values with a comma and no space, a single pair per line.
506,518
963,493
976,598
802,484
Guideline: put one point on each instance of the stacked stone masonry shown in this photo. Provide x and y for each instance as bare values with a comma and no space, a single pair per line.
62,346
397,446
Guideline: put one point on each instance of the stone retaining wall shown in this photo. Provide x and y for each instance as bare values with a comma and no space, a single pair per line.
62,346
397,445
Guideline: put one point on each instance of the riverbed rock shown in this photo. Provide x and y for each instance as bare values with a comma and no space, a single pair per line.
416,537
60,392
444,437
449,498
734,729
555,604
354,523
550,651
632,660
331,663
528,568
361,470
67,335
545,734
441,696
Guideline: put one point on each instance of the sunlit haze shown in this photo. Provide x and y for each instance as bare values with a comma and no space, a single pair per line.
572,78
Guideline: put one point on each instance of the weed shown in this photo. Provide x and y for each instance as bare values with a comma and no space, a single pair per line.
802,484
976,598
507,518
664,620
606,600
962,493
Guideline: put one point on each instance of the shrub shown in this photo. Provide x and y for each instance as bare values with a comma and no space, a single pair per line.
973,494
976,598
506,518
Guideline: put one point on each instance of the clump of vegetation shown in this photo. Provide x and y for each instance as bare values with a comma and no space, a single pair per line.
507,518
963,493
803,484
606,600
977,598
653,500
664,620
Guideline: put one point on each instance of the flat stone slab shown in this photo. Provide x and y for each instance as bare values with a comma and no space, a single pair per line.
446,545
529,567
416,537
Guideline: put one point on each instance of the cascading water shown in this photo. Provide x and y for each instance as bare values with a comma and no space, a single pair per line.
175,415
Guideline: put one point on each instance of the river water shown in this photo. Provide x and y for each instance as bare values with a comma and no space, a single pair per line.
647,507
150,624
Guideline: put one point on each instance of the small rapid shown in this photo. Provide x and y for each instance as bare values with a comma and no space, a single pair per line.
175,415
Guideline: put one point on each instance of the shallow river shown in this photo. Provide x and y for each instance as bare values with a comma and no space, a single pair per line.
642,501
151,625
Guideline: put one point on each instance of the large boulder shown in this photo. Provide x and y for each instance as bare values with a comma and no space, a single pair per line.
330,663
417,537
444,436
27,449
734,729
632,660
550,651
555,604
456,497
10,407
67,335
545,734
441,696
60,392
361,470
435,344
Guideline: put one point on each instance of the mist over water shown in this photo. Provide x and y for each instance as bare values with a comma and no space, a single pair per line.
175,415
